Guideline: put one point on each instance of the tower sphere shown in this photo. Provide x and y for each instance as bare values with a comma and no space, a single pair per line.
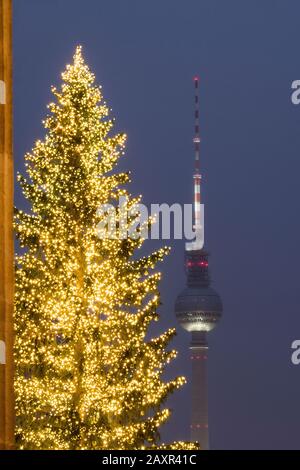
198,308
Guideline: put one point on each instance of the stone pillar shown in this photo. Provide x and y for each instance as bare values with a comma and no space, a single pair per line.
6,230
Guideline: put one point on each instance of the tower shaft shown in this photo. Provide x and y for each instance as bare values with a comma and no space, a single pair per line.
6,230
199,402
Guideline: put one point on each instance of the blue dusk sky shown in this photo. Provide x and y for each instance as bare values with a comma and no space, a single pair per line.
246,53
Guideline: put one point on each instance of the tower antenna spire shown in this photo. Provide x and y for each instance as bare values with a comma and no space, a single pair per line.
198,243
196,140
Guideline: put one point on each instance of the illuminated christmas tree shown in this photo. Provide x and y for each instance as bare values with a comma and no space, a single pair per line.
86,378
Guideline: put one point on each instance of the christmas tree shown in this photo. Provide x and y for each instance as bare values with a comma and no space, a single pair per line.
86,377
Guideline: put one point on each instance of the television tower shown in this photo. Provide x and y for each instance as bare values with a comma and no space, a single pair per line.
6,230
198,307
